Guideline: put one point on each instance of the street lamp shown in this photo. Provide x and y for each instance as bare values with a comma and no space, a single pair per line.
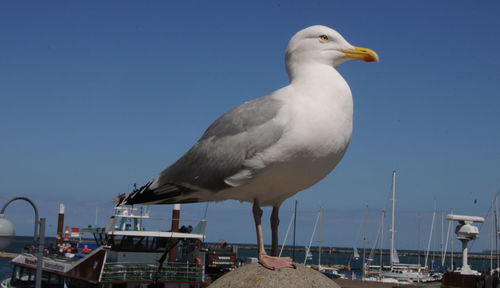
7,233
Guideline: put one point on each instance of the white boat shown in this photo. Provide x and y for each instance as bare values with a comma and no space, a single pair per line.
396,271
331,272
126,255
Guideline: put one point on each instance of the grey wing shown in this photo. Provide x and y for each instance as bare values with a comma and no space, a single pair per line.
220,153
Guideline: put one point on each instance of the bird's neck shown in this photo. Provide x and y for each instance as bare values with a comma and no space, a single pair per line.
319,76
312,72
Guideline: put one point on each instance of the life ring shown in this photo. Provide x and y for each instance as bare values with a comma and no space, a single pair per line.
197,260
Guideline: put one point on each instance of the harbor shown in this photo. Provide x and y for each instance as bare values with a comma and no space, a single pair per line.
189,140
250,250
124,252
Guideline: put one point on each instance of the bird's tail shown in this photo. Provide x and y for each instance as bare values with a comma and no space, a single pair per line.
169,193
119,199
132,197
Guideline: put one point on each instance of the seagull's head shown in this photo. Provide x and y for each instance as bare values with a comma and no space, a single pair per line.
323,45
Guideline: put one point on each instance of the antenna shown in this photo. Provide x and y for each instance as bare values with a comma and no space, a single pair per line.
466,232
96,212
206,210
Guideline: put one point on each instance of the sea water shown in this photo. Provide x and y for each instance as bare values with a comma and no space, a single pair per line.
328,257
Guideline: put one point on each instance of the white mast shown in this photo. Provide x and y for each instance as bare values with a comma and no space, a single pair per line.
393,207
430,235
442,236
320,232
286,235
496,229
364,245
443,258
419,241
381,241
492,234
452,265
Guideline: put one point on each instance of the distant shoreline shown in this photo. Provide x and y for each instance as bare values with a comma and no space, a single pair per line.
7,255
338,250
437,254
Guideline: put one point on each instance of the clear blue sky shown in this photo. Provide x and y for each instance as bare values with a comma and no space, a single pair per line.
98,95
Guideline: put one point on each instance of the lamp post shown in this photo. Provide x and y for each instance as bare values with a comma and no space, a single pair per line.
7,233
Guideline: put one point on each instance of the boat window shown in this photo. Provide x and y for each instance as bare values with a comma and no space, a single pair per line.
45,277
16,272
139,243
160,243
22,275
54,279
128,243
27,274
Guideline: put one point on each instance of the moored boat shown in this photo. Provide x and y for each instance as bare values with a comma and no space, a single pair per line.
122,254
396,271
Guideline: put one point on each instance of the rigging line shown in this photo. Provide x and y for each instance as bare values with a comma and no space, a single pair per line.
206,210
286,235
312,236
486,217
381,225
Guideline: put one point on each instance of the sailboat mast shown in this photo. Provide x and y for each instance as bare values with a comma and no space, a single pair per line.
496,229
492,236
364,244
381,240
496,235
294,226
430,234
419,234
320,233
442,236
452,264
446,245
393,207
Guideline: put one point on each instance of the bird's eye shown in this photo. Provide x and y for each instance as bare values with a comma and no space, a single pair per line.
323,38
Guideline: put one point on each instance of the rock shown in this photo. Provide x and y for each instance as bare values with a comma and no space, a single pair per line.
255,275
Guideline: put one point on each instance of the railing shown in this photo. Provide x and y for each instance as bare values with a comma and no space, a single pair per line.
52,256
148,272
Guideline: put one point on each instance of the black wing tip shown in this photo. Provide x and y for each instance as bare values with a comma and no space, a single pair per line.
169,193
130,198
119,199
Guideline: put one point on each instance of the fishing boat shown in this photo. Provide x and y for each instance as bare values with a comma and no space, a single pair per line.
396,271
123,254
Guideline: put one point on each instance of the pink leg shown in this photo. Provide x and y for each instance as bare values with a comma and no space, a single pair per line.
267,261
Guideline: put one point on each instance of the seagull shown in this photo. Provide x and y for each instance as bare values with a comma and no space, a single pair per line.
268,149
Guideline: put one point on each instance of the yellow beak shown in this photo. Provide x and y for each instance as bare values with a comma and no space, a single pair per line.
363,54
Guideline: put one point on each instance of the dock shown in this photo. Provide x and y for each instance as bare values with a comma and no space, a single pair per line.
8,255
